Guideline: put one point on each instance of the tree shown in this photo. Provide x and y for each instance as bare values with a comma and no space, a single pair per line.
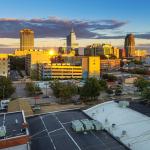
6,87
146,93
118,91
109,77
17,63
32,89
141,83
91,89
103,85
109,91
63,90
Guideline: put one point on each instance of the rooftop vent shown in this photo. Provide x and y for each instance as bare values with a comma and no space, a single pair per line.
2,131
123,104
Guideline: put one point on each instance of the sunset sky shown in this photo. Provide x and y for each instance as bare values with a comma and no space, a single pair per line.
93,21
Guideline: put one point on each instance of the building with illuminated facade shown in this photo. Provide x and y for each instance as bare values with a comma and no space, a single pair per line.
35,58
26,39
91,66
99,50
129,45
59,71
4,65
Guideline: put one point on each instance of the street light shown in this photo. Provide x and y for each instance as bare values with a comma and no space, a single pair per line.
3,91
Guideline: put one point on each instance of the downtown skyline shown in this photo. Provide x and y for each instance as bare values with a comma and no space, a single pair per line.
93,21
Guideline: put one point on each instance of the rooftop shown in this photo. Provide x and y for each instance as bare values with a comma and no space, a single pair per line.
129,125
53,131
13,123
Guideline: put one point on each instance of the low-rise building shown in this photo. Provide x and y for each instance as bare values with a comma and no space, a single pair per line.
59,71
4,65
14,132
109,64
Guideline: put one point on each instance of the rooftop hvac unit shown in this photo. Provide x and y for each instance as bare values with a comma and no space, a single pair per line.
77,126
2,131
97,125
123,104
87,124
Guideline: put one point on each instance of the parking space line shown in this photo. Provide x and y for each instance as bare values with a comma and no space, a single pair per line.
55,130
67,122
47,132
38,133
68,133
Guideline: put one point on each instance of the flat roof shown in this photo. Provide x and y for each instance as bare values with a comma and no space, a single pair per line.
13,124
53,131
131,127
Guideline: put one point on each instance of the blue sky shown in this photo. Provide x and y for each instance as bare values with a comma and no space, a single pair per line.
98,19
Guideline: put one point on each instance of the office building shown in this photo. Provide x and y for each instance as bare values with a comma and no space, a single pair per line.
59,71
129,45
4,65
72,41
93,50
26,39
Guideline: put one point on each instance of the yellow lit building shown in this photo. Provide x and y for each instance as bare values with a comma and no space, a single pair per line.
26,39
91,66
4,65
35,58
140,53
94,67
59,71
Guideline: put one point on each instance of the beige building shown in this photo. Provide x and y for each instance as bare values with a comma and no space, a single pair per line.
109,64
26,39
4,65
59,71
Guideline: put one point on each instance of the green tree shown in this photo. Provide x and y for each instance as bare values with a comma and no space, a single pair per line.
146,93
141,83
91,89
109,77
64,91
109,91
32,89
103,85
17,63
6,87
118,91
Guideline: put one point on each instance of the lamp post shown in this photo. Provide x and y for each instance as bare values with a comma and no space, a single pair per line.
3,91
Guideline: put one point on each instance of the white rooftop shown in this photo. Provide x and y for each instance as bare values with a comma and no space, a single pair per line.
132,128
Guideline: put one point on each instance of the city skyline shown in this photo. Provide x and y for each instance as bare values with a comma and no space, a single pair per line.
93,22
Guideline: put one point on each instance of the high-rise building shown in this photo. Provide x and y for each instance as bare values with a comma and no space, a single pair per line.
26,39
129,45
4,65
72,41
94,50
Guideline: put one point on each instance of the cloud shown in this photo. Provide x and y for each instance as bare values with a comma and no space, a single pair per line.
143,35
57,27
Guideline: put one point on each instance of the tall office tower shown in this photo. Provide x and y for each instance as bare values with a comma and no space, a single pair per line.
26,39
129,45
72,41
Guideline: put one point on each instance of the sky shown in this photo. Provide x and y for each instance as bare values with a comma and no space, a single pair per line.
94,21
